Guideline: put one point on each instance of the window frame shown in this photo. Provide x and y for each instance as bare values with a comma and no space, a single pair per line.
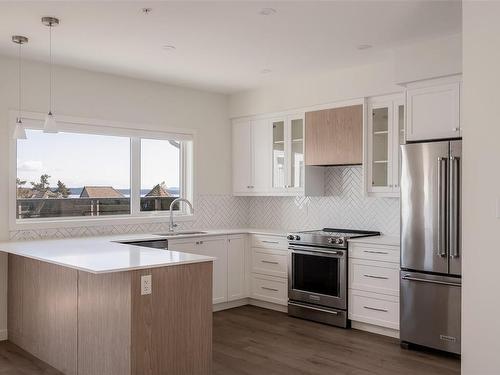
136,132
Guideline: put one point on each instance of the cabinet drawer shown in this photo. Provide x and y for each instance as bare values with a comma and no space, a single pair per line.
374,277
378,253
374,309
269,242
270,289
267,263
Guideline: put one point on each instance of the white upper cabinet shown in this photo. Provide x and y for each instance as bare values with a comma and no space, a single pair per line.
433,109
251,157
242,163
288,153
268,158
384,132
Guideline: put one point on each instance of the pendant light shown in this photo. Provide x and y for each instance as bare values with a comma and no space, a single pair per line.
19,131
50,125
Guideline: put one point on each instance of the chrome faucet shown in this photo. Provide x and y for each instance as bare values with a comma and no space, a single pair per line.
172,225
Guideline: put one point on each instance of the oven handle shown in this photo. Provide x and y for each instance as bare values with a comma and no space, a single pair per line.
319,253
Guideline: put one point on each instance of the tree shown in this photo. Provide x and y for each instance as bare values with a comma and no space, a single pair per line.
43,185
20,183
62,189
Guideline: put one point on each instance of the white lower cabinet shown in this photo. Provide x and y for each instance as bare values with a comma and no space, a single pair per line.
216,247
236,268
262,275
373,295
269,269
269,288
374,308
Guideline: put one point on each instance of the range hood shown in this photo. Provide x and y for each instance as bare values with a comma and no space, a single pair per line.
334,136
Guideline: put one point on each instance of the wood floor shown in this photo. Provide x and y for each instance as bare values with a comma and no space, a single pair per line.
253,341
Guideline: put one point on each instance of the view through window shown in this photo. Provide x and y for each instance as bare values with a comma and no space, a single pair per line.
160,173
85,175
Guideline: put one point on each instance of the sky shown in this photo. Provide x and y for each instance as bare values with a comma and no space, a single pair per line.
85,159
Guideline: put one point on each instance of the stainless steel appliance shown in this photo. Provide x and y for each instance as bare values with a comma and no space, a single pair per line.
431,253
317,274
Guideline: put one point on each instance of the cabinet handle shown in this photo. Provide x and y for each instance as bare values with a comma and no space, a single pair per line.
455,129
374,309
376,277
375,252
273,242
271,289
269,262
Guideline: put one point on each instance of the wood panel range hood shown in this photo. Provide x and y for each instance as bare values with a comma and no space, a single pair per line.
334,136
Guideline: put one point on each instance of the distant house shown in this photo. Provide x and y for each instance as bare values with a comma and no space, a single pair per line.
100,192
159,190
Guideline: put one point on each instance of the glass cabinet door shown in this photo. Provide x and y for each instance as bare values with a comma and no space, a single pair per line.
296,152
279,170
400,136
380,138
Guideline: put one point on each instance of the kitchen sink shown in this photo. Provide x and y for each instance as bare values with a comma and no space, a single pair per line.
179,233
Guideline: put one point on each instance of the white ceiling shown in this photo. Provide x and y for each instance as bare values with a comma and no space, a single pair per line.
222,46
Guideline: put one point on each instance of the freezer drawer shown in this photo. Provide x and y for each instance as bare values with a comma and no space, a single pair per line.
430,311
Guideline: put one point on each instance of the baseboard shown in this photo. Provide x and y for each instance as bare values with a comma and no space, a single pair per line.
268,305
230,305
3,334
375,329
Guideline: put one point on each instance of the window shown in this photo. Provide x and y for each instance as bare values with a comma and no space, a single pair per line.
91,172
70,174
160,173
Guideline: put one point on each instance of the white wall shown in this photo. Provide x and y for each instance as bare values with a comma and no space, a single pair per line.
102,96
481,180
430,58
416,61
337,85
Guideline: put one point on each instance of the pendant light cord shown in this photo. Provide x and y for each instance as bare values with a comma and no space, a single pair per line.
20,83
50,58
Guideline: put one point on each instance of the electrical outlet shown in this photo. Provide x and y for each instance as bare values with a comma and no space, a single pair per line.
146,285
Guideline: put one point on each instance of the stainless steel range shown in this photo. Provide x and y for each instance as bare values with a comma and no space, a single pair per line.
317,274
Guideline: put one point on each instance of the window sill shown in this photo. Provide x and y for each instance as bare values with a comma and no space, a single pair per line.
153,218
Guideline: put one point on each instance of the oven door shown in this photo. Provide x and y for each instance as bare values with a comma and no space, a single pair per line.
317,276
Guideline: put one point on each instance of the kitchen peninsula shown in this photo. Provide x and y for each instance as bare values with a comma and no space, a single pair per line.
80,306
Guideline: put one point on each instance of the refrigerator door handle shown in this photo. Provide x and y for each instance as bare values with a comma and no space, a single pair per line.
454,206
441,220
411,278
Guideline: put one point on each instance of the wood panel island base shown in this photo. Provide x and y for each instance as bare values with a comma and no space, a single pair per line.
85,323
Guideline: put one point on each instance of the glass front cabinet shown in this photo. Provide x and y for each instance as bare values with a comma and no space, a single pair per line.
288,153
384,133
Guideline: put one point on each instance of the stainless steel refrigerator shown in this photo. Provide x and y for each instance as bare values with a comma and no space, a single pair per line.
430,281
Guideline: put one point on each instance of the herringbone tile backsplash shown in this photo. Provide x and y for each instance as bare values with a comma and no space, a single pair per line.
343,206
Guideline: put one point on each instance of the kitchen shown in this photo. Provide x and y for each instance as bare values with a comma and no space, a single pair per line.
264,157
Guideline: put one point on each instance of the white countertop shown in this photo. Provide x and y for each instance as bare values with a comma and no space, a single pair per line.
104,254
377,240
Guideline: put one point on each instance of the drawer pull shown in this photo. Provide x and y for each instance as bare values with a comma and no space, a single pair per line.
374,309
271,289
269,262
376,277
273,242
376,252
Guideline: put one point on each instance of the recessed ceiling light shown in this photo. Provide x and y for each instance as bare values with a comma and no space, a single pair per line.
267,11
169,47
364,46
147,10
266,71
